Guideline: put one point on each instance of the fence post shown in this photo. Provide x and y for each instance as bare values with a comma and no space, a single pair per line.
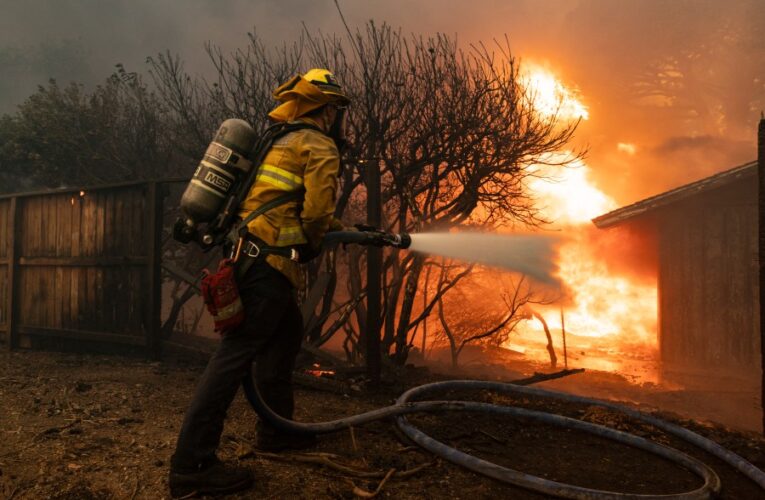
11,299
761,253
374,278
154,256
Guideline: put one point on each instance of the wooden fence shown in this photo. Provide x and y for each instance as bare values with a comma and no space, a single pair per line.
82,267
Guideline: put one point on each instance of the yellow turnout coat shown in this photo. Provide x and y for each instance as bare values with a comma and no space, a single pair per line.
304,159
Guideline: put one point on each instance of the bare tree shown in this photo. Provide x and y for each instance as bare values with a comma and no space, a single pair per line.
472,314
453,134
528,314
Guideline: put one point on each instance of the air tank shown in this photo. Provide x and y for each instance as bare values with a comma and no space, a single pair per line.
225,162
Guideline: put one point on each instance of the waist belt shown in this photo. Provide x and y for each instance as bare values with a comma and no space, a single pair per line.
253,249
247,248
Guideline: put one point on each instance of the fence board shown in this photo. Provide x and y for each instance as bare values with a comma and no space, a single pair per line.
5,206
75,221
49,225
81,335
3,295
153,274
109,229
64,227
120,233
85,265
100,216
108,261
87,227
11,303
5,238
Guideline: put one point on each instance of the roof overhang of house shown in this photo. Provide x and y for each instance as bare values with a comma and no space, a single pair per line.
648,205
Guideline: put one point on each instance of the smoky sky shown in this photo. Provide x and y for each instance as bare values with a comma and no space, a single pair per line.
682,81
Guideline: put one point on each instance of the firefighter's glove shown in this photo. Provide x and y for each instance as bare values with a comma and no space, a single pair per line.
306,253
377,239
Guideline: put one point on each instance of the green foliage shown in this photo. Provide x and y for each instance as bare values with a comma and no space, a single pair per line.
65,136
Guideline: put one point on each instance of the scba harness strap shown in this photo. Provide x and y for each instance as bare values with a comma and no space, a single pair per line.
247,248
241,240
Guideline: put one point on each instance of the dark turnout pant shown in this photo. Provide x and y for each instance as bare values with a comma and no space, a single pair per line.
270,335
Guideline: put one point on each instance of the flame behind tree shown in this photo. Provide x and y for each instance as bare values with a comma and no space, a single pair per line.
501,302
613,309
454,135
605,306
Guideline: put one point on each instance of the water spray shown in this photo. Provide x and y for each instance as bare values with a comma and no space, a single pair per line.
529,254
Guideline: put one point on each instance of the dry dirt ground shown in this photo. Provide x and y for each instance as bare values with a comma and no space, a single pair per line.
86,426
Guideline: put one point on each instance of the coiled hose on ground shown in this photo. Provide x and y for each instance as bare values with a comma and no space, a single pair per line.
404,405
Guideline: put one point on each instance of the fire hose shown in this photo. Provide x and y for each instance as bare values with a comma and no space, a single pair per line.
404,406
408,403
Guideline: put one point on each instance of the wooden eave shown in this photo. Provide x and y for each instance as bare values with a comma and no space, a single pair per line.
648,205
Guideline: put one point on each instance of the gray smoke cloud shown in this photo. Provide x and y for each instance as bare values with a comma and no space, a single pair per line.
657,74
82,40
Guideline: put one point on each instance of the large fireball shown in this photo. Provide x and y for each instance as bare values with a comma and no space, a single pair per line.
615,311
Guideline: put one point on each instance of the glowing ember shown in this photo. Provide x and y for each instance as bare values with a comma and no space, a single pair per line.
317,371
625,147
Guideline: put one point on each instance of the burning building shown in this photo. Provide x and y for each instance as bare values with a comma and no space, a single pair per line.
705,238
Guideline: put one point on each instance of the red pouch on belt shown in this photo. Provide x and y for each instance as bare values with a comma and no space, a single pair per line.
221,296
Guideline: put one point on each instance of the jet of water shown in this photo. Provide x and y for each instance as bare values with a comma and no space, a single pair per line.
533,255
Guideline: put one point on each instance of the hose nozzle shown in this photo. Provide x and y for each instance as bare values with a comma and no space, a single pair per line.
382,239
401,240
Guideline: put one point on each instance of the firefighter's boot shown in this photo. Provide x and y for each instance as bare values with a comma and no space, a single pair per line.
216,479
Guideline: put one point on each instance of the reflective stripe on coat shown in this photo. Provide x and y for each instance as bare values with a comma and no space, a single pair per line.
303,159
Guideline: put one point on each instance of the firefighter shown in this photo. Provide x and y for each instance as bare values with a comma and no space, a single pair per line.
306,160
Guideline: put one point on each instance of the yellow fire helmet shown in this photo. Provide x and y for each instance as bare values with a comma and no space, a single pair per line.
302,94
327,83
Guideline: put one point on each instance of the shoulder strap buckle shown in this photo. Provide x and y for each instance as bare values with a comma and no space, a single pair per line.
251,249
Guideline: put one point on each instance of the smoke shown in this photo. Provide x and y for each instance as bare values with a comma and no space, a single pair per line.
23,68
653,73
83,40
681,80
629,250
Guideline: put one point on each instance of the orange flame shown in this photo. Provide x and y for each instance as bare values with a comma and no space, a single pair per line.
602,308
565,195
550,97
